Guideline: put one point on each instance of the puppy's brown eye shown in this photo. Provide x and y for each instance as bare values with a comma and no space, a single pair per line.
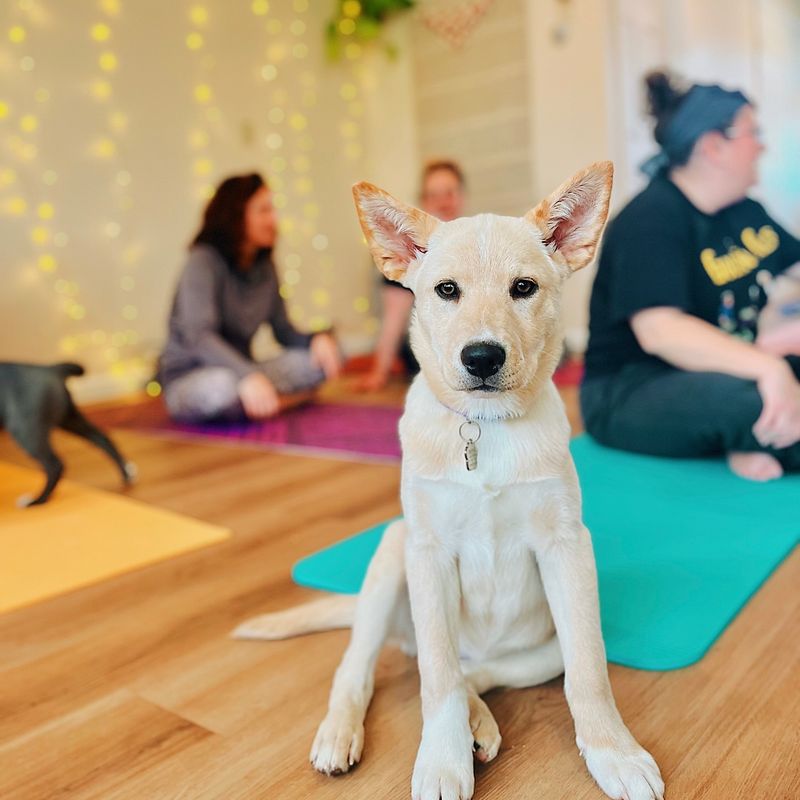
524,287
448,290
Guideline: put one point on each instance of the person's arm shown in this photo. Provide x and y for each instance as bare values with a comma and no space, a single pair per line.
324,349
777,334
692,344
285,333
789,246
780,335
397,305
198,317
325,354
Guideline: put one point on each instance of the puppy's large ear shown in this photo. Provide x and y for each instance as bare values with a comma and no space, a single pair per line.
397,234
571,219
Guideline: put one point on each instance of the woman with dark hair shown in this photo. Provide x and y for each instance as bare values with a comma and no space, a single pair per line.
442,194
228,288
675,365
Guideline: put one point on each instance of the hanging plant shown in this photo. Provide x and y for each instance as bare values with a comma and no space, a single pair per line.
361,22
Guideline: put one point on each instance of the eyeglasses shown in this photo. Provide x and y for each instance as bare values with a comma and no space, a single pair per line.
739,133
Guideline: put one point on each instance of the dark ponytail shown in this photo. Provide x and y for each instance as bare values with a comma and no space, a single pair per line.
663,99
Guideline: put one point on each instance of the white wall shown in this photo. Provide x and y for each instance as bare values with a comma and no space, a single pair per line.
472,105
568,51
522,105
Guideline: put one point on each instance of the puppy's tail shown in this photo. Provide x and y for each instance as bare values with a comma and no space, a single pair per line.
67,369
328,613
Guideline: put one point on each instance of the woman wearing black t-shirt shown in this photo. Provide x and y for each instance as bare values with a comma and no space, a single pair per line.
675,366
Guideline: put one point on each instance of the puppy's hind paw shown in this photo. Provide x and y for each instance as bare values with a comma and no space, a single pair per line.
484,730
277,625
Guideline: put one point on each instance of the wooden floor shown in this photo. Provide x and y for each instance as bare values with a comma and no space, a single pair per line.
132,689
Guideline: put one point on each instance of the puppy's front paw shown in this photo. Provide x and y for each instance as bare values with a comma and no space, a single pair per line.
628,773
443,768
436,778
339,742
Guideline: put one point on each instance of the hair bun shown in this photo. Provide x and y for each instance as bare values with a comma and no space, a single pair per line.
663,96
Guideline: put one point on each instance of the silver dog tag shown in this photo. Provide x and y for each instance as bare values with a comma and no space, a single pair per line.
470,450
471,455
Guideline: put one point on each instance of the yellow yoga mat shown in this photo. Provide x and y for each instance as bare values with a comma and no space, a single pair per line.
82,536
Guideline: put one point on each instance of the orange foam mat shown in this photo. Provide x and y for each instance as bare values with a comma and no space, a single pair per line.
82,536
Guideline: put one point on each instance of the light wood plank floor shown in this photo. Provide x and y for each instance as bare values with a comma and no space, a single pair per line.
131,689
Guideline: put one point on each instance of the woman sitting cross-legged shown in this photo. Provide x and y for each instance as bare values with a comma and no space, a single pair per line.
675,364
228,288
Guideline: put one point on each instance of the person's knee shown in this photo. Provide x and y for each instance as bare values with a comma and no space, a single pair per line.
724,411
204,394
692,414
736,401
294,371
221,389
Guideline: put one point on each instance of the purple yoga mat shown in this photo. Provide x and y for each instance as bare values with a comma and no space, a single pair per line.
328,429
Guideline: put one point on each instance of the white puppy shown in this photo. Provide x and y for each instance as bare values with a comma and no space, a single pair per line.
492,561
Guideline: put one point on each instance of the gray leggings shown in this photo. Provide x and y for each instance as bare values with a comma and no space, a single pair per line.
209,393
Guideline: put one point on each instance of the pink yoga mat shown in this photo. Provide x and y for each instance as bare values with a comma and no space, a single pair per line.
327,429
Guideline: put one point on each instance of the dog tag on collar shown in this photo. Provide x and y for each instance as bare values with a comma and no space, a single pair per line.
470,449
471,455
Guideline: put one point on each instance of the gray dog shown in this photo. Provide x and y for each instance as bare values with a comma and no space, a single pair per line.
33,400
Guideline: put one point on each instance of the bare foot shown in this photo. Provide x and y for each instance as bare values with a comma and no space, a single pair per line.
373,382
755,466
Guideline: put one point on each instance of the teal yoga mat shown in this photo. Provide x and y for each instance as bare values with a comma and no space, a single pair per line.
681,545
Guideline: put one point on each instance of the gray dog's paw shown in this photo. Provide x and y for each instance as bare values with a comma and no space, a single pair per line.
24,500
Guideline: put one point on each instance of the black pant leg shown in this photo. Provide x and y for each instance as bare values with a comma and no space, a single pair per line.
655,409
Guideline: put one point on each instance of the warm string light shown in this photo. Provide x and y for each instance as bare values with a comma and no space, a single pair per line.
289,172
288,149
349,128
37,209
108,147
199,136
358,81
203,167
291,88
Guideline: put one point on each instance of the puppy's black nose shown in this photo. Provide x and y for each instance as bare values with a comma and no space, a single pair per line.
483,359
